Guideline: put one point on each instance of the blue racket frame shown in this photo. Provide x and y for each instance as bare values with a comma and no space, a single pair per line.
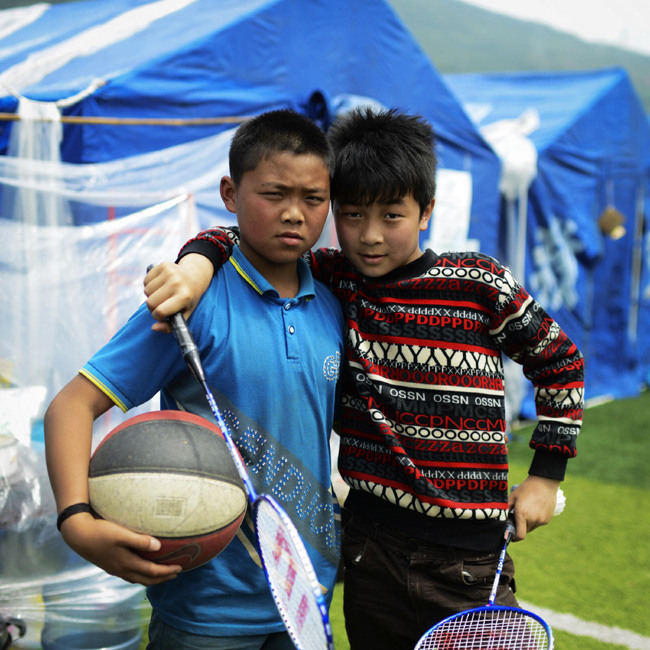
314,637
428,640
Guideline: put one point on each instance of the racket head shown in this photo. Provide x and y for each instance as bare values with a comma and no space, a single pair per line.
291,576
491,626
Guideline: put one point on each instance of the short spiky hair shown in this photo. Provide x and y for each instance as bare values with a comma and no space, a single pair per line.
383,156
276,132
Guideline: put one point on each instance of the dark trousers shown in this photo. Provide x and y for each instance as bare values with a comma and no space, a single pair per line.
166,637
396,587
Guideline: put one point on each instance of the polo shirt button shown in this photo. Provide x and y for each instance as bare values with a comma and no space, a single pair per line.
291,329
287,306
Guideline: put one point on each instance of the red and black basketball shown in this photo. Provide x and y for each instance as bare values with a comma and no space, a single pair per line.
169,474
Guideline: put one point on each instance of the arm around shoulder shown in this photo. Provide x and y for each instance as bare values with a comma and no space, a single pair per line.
172,288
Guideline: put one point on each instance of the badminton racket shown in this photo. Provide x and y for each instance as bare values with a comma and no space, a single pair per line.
491,627
288,569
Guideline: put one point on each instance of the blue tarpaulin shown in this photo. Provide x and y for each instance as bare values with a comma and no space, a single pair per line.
591,142
185,59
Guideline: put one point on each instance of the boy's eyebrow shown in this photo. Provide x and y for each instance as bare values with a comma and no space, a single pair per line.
284,186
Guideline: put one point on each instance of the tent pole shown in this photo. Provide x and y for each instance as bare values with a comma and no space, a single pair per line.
637,263
520,266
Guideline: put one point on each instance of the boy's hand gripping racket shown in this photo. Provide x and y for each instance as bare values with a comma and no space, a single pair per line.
491,627
288,570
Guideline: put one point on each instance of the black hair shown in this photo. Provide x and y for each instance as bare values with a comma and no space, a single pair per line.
276,132
383,156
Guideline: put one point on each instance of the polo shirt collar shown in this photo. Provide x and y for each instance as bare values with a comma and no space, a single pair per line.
256,280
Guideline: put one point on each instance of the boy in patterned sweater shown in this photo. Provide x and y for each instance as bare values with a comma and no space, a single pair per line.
423,424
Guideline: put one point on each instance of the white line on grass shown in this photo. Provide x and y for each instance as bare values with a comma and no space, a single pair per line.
574,625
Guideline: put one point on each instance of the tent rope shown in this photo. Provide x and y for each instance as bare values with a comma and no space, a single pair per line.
136,121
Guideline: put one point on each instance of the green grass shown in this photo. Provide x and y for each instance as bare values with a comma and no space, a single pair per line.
337,621
566,641
612,446
593,561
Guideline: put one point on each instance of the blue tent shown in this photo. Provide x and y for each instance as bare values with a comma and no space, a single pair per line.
580,239
195,59
108,65
106,61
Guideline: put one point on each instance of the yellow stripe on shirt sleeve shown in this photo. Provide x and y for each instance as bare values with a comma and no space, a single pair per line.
105,389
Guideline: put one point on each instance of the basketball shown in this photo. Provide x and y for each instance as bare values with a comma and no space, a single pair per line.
169,474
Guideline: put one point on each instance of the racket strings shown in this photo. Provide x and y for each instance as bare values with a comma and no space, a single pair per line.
486,630
295,588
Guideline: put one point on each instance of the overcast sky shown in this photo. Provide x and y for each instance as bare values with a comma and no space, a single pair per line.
624,23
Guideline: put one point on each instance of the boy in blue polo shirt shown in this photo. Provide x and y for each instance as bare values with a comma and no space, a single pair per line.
270,338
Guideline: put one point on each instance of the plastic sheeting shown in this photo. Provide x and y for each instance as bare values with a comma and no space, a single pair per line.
64,290
64,601
246,57
21,496
125,184
81,607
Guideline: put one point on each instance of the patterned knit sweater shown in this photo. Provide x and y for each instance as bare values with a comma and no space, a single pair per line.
423,424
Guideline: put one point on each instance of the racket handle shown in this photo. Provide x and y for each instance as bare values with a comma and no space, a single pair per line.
187,345
508,535
511,528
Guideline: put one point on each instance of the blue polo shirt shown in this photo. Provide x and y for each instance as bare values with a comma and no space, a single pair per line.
272,364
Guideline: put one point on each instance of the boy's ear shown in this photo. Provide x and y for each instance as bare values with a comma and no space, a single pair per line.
426,215
227,190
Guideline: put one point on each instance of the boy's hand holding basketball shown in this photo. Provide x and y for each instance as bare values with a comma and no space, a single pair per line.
68,430
115,549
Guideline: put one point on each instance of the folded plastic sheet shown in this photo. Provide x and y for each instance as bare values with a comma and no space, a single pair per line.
82,607
43,582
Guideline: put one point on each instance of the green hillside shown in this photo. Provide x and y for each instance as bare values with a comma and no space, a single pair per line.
460,38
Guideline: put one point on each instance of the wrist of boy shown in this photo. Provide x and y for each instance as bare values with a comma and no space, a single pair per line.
68,512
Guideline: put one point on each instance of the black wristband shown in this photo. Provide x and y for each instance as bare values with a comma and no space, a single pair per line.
71,510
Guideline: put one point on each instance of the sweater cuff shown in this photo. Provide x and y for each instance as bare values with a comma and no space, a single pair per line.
205,248
548,465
